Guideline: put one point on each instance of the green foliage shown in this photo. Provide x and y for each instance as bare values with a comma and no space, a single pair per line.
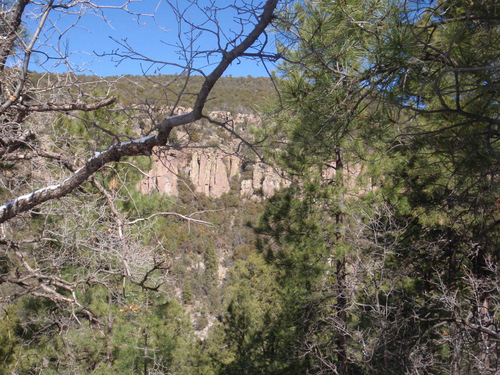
211,264
400,99
9,323
243,340
140,333
381,256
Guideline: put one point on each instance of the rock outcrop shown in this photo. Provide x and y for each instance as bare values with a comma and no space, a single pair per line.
265,182
212,169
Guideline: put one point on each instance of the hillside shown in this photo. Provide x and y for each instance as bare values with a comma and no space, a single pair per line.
205,174
243,95
189,225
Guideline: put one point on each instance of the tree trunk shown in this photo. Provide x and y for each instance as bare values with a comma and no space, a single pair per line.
341,272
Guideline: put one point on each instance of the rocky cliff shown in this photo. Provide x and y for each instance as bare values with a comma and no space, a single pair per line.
213,166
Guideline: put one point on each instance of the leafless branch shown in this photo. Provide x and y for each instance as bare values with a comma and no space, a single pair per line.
141,146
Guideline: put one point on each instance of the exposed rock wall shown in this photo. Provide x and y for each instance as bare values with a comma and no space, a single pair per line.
210,171
265,182
209,174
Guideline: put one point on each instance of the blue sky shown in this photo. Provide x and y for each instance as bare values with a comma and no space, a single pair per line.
89,44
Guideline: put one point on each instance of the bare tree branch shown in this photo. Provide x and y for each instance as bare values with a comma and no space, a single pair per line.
11,29
141,146
65,107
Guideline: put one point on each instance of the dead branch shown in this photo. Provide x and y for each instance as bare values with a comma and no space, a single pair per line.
145,145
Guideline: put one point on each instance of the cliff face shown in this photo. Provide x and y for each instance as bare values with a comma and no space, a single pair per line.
211,170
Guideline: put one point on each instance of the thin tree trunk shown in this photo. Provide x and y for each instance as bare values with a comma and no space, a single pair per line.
341,272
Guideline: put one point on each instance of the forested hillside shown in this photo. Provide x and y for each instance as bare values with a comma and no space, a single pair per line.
377,254
232,94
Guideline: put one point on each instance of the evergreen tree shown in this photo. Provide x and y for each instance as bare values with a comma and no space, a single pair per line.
402,97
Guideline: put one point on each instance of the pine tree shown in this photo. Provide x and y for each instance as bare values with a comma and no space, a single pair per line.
407,93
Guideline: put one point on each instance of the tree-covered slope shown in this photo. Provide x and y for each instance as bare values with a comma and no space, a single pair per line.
379,256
